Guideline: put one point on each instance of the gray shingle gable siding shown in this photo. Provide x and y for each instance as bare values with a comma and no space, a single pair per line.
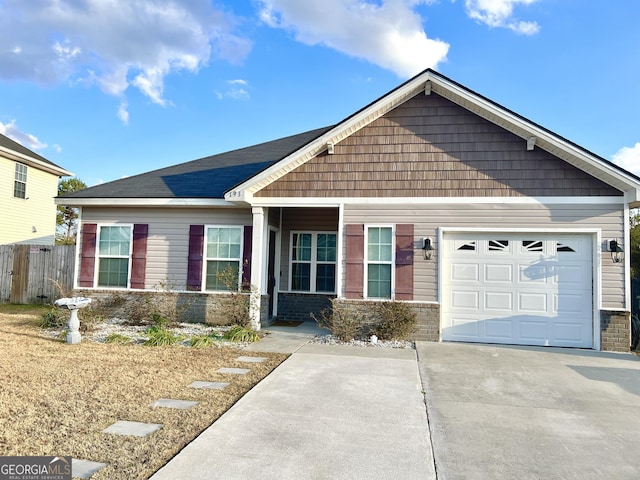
208,177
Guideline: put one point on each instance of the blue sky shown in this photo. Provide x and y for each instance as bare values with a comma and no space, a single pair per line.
113,88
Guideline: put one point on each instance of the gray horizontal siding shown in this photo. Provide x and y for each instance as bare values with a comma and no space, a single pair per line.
427,220
168,238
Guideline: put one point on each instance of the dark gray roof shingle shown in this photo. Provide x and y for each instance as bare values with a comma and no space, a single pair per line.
208,177
6,142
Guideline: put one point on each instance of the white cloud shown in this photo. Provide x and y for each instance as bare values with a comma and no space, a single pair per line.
628,158
28,140
113,44
499,13
123,113
236,90
387,33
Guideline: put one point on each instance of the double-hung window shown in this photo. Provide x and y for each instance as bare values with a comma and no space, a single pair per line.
114,254
313,262
20,181
223,252
379,261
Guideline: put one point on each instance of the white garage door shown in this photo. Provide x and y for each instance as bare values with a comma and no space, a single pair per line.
518,289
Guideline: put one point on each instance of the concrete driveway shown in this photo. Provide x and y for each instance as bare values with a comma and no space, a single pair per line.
531,413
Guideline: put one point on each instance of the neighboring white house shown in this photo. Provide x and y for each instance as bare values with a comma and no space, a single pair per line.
28,186
493,228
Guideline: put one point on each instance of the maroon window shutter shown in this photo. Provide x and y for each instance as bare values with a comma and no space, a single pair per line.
88,254
404,262
194,262
139,255
354,284
246,257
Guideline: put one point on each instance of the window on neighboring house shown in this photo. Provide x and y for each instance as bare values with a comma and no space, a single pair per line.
379,262
20,181
313,262
223,252
114,253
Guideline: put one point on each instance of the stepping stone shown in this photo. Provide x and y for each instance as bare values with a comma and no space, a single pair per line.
136,429
170,403
251,359
235,371
85,468
209,385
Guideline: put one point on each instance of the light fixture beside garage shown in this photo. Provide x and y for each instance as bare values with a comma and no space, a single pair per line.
616,251
427,248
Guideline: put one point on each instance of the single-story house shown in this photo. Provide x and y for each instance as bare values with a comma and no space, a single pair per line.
493,228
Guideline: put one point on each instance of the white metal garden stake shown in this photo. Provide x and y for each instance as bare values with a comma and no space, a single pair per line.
73,304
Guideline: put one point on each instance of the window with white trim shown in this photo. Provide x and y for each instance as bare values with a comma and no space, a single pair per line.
20,181
379,261
223,255
313,262
114,255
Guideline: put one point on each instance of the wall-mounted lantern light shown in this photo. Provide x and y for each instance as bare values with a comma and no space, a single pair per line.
427,248
616,251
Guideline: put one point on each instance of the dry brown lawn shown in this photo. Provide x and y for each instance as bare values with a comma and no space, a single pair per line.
55,399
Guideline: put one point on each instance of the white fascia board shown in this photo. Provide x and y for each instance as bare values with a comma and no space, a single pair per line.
144,202
525,129
35,163
334,202
333,136
446,230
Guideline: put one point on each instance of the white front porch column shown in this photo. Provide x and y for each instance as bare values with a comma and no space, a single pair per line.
257,266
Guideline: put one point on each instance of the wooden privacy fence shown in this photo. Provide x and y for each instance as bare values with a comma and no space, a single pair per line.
35,273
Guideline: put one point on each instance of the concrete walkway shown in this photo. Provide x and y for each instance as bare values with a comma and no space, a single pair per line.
327,412
504,413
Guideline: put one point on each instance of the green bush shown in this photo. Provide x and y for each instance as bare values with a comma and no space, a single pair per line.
54,318
238,333
393,320
160,337
200,341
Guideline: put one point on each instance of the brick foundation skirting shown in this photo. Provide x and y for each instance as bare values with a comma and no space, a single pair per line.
191,307
428,317
615,331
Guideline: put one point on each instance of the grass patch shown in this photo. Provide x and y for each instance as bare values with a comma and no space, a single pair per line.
117,338
56,398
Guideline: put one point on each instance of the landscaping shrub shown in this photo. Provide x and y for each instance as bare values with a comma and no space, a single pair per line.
160,308
343,324
235,309
160,337
54,318
200,341
393,320
238,333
